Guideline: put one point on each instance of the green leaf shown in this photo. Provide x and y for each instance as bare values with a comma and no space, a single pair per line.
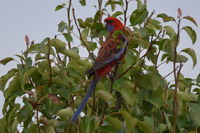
85,33
164,56
81,23
82,2
68,37
165,17
181,58
58,7
118,13
26,75
130,121
67,112
139,4
198,78
144,82
145,127
50,129
154,25
41,48
13,86
191,33
33,128
106,96
12,114
187,96
85,62
62,26
192,54
6,60
113,4
166,46
71,54
25,113
97,16
194,111
5,78
97,30
114,122
191,19
138,16
87,125
170,31
9,101
20,56
92,45
127,93
45,40
58,44
3,124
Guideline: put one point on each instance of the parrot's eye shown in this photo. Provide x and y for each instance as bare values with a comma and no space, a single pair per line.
110,21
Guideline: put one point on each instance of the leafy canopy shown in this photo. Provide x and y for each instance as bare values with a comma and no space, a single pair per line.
50,81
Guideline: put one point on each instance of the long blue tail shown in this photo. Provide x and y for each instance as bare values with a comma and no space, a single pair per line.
85,99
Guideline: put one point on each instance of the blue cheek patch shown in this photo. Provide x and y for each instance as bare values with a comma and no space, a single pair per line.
109,27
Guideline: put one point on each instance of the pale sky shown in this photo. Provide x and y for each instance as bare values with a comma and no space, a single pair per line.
38,19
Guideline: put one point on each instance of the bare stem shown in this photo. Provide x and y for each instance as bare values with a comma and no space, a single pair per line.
171,72
176,76
125,12
81,37
143,57
37,120
69,19
100,9
148,19
49,62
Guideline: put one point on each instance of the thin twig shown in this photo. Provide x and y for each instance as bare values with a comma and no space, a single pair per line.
156,64
100,9
100,39
49,62
100,18
69,19
112,77
161,64
176,76
81,38
103,114
37,120
157,58
125,71
170,72
125,12
143,57
148,19
151,44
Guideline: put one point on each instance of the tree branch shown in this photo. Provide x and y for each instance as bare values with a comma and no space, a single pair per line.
81,37
49,62
69,19
125,12
176,76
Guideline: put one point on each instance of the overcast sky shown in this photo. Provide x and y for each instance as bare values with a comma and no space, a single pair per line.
38,19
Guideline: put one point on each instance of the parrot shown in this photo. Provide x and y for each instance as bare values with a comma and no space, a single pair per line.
109,55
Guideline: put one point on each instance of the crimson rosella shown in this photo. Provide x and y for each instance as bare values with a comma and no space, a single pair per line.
108,56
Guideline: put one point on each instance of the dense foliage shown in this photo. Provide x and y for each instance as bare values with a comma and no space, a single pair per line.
49,78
